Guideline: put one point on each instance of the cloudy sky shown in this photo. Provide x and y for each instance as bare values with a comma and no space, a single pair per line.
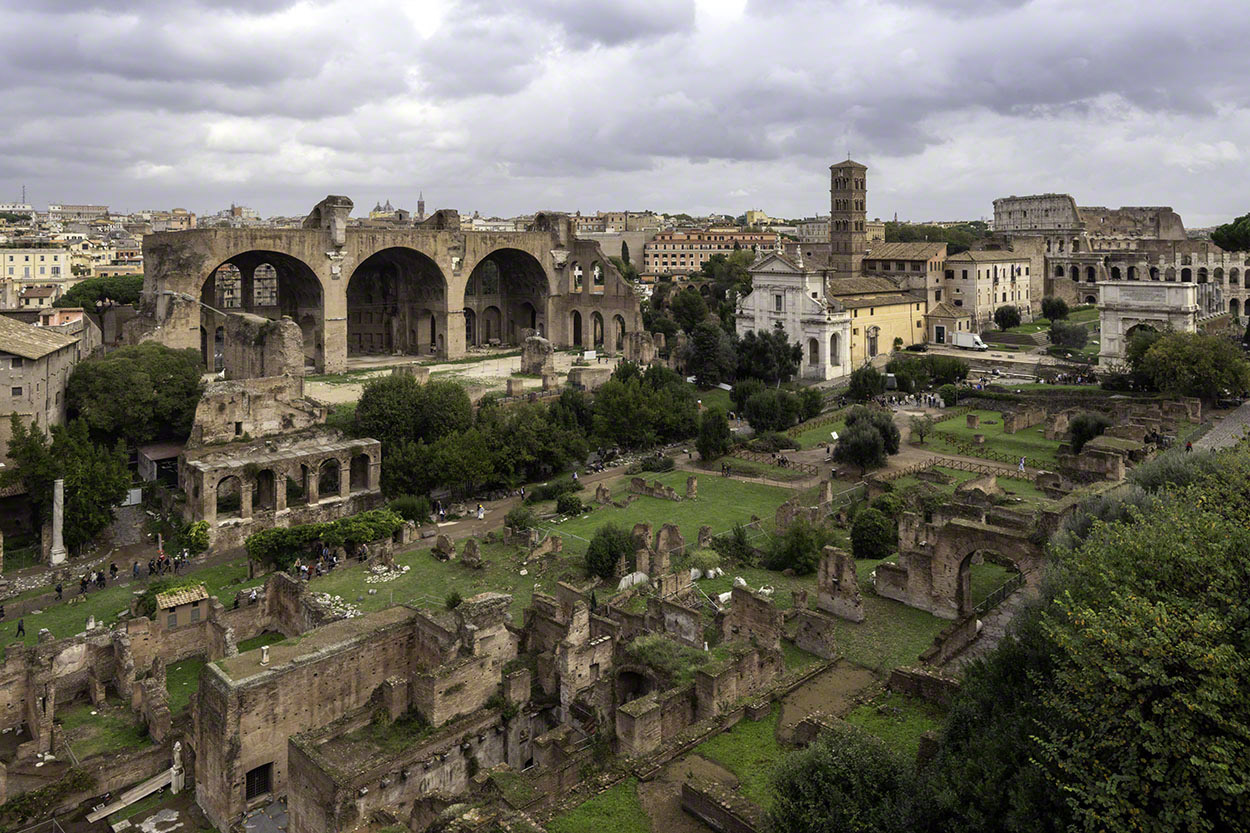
673,105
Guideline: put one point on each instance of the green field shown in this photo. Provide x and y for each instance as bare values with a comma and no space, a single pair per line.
714,399
63,619
112,728
819,435
751,468
616,810
750,751
1078,316
1023,489
721,503
898,720
181,680
1030,443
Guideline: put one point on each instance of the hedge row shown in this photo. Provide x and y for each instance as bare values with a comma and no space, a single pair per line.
280,547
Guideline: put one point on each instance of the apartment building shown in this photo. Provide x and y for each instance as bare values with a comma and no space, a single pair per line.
979,282
684,252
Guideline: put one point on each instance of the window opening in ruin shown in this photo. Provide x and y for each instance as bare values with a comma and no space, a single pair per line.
238,428
259,782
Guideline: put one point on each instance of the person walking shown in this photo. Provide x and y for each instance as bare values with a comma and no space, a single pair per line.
21,627
58,591
1021,467
1188,446
134,571
481,512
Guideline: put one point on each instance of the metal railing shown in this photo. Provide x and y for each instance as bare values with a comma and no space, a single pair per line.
996,597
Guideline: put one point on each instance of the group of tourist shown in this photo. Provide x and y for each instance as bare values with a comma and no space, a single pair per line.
906,400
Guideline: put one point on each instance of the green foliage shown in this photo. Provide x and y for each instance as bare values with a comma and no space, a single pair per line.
569,504
1174,469
811,402
845,780
705,560
1006,317
453,600
1054,309
890,504
1085,426
921,426
39,803
195,538
552,490
799,548
395,408
710,355
914,373
281,546
121,289
637,410
772,409
743,390
688,308
1192,364
1234,236
715,438
881,421
771,442
627,269
860,445
414,508
873,535
96,477
768,356
609,544
1072,336
139,394
865,384
949,395
959,238
520,517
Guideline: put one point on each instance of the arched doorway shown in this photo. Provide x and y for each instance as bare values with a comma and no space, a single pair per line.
1132,273
1187,275
492,325
1090,299
360,473
265,496
618,325
1234,307
390,295
813,351
1074,273
980,573
576,327
269,284
229,498
297,487
1058,271
470,328
1091,274
328,475
596,322
1115,273
834,351
514,283
1234,277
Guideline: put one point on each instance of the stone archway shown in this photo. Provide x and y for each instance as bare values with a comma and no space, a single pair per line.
390,296
514,284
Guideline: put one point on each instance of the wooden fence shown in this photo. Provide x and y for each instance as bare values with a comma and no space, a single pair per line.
768,459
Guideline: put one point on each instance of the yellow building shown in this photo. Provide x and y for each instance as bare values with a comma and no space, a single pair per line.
880,313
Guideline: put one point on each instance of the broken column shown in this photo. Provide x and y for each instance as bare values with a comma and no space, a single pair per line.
58,554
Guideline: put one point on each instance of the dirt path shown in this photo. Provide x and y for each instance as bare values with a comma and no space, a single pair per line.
661,796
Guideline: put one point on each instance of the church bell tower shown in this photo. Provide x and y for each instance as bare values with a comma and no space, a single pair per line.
848,198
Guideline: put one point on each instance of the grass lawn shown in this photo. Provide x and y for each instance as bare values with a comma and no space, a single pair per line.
1023,489
898,720
715,399
819,435
1031,442
752,468
112,728
891,635
795,657
1079,316
257,641
721,503
182,678
750,751
616,810
63,619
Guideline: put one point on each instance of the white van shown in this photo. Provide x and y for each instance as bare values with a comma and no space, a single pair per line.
968,341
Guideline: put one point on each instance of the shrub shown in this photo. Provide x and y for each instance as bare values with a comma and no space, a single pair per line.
1084,427
520,517
657,463
705,560
873,535
414,508
569,504
865,384
798,548
744,390
453,600
715,439
890,504
194,538
772,410
880,421
1006,317
1072,336
551,491
736,547
949,395
811,401
606,548
770,442
281,546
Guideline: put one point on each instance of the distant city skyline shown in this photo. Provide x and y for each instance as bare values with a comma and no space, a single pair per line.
698,106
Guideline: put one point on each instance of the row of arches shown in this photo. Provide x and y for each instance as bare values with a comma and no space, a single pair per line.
270,490
577,277
835,351
397,301
597,337
1170,274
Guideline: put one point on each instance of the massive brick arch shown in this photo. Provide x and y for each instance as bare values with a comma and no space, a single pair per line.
397,303
508,292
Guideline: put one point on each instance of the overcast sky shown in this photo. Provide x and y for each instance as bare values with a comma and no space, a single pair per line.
672,105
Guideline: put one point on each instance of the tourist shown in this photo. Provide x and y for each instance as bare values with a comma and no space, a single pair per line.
82,585
58,593
113,571
21,627
134,571
1188,446
481,512
251,599
1021,464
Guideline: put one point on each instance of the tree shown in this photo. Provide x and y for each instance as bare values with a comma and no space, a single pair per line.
625,251
1245,337
860,445
1234,236
898,343
949,394
96,477
688,308
873,535
881,421
921,425
1054,309
1084,427
811,402
401,408
139,393
866,383
1006,317
1192,364
710,356
1072,336
609,545
772,410
799,548
714,439
743,390
768,356
627,270
120,289
846,780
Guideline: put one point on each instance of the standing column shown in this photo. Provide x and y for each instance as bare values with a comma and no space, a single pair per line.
57,556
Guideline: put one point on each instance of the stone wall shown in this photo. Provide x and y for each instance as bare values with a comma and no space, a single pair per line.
925,684
720,808
263,407
256,347
1022,418
752,616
